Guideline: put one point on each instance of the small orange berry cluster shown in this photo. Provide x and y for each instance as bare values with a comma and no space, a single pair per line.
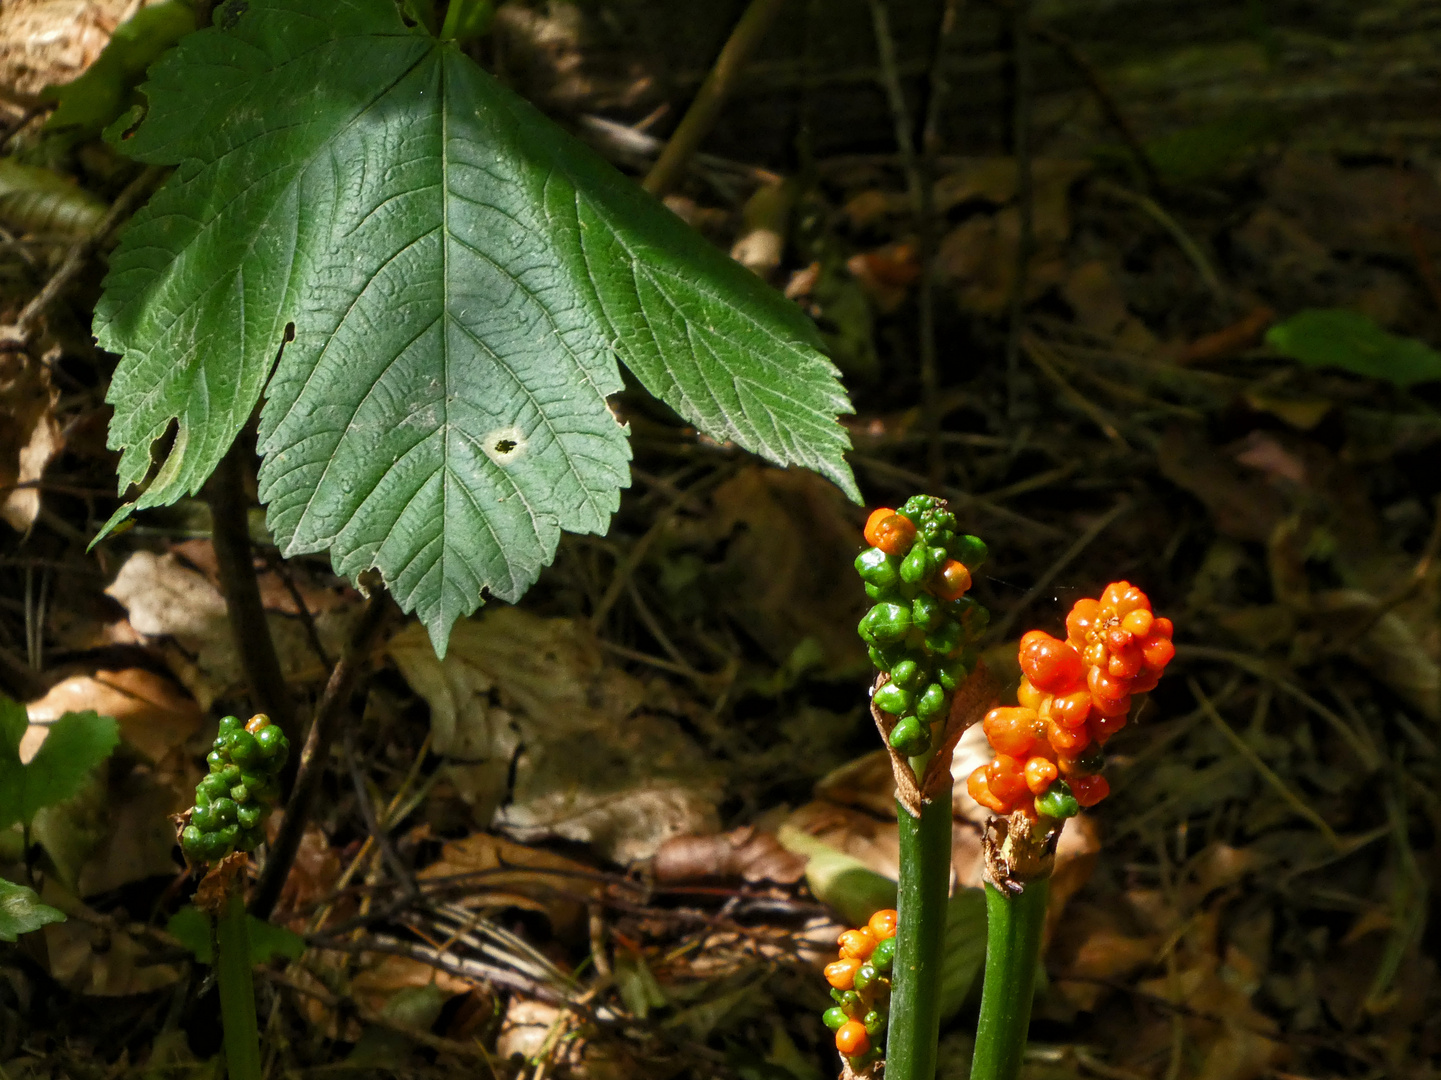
861,988
1074,695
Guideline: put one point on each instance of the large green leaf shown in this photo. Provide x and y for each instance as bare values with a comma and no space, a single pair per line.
21,911
74,745
452,279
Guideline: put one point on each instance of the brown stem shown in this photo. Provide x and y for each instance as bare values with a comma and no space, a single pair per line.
230,533
333,707
1021,142
703,111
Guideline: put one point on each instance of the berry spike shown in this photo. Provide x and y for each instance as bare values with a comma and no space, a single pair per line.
1074,695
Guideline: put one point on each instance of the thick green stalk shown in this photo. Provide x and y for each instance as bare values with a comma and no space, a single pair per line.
237,993
916,977
1013,948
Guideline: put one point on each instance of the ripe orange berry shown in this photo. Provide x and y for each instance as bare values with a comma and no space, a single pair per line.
1105,688
1028,696
980,790
952,581
1011,730
1125,663
858,943
1138,622
1071,710
842,973
1006,778
1089,790
1067,742
851,1038
1085,616
872,529
1156,650
890,532
1039,774
1050,664
883,923
1103,727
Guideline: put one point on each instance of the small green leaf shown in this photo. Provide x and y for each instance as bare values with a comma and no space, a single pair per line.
1338,338
75,744
37,200
191,927
21,911
452,280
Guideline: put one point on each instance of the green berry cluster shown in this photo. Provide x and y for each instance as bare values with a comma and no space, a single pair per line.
921,629
232,800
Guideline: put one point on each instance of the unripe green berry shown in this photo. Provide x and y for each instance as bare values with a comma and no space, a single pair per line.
877,568
910,737
884,955
894,699
886,623
243,748
927,612
834,1018
1057,801
875,1022
908,674
970,550
952,673
933,703
273,744
249,816
223,811
865,975
917,566
943,639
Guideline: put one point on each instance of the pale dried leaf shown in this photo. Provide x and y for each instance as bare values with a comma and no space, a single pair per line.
154,716
30,436
594,764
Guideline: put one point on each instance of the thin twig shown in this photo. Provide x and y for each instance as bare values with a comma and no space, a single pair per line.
1360,746
249,628
1294,801
1058,567
1107,101
706,107
1036,352
1025,241
23,329
315,756
1188,246
378,830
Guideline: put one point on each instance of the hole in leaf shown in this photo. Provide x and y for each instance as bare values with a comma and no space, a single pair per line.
504,446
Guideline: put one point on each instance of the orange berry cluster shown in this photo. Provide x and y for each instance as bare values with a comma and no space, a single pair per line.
1075,694
861,987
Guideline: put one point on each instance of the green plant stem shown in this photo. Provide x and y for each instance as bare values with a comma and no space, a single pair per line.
925,887
1014,924
237,993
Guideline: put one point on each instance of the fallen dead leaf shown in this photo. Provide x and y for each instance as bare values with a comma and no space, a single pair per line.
30,436
533,703
384,974
501,873
154,716
746,853
53,41
791,538
166,599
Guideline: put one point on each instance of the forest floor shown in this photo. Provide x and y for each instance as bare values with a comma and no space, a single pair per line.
598,839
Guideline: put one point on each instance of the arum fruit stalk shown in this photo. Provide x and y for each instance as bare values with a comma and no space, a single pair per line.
1014,925
237,992
925,851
